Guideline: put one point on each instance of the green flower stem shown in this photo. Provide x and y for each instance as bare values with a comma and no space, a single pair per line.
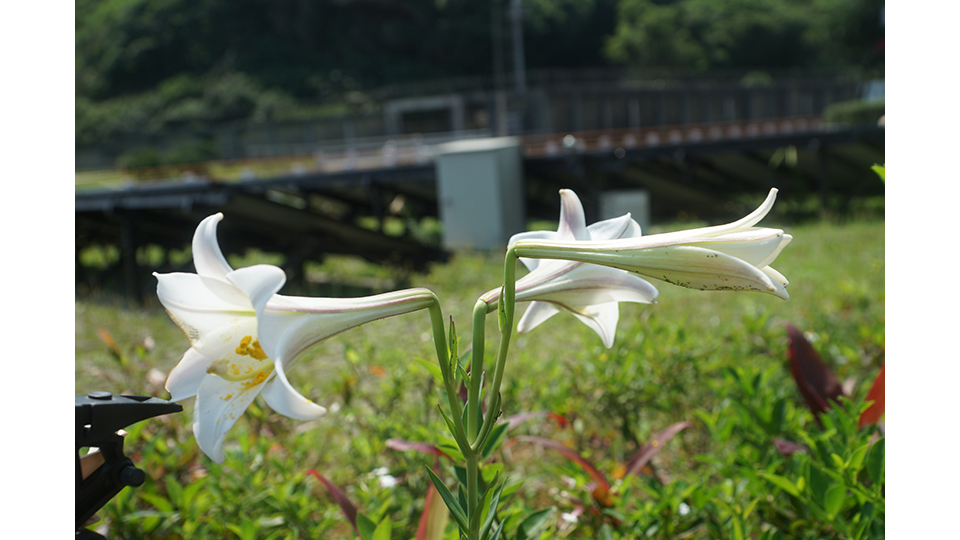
506,331
476,369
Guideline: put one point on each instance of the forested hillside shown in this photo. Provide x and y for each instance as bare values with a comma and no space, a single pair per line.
143,65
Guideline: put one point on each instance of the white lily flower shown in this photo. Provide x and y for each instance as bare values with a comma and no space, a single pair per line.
735,256
244,336
591,293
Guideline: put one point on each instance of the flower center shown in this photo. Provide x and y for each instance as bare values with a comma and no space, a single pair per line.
239,370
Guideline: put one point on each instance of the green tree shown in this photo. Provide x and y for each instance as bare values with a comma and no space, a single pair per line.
746,33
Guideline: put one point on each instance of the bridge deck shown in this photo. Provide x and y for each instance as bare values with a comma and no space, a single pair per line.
307,213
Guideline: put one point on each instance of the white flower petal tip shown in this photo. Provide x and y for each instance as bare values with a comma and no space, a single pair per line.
207,257
281,397
735,256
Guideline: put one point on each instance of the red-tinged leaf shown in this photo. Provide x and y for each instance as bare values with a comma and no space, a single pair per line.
405,446
875,412
647,451
111,344
348,508
787,448
570,454
517,419
435,516
560,419
816,382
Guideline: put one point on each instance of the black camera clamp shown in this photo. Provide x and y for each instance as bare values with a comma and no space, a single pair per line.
99,416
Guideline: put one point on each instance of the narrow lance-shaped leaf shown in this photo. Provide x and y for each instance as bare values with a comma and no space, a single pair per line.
492,510
454,348
647,451
456,510
519,418
348,508
435,515
502,311
816,382
602,491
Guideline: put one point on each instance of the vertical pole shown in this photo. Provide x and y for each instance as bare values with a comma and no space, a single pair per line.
519,64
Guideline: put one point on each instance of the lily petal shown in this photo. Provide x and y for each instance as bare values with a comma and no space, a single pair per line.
618,227
185,378
602,318
591,284
220,403
758,247
535,314
288,325
258,283
281,397
207,257
573,223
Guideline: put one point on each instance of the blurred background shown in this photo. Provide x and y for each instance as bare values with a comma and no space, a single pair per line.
327,125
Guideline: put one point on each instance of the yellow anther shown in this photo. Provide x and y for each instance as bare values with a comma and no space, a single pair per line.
249,347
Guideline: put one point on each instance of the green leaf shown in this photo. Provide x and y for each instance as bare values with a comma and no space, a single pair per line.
160,503
493,439
454,347
856,460
492,509
833,499
606,533
781,483
875,461
383,530
496,533
819,483
879,169
366,527
455,509
433,368
534,523
352,355
450,424
737,528
749,508
502,311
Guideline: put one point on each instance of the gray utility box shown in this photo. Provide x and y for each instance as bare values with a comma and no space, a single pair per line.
480,192
618,202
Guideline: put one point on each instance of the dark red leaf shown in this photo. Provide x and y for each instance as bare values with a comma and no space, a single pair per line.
816,382
520,418
348,508
647,451
572,455
404,446
876,410
787,448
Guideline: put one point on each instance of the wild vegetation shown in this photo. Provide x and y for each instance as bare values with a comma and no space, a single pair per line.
696,396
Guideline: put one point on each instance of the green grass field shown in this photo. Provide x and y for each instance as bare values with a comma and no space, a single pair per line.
715,359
